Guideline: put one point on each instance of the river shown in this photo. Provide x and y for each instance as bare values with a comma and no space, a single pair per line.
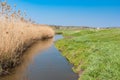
43,61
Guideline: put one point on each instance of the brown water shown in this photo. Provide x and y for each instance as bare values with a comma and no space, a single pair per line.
43,61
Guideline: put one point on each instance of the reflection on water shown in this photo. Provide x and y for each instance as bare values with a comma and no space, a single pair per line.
43,61
57,37
20,72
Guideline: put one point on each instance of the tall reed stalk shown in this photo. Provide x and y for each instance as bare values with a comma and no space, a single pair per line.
16,35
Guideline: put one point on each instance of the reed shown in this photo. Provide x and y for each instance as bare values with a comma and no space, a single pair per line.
16,35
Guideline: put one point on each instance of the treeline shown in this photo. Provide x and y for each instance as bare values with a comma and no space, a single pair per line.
57,27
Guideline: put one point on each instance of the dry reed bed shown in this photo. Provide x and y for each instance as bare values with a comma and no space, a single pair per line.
16,37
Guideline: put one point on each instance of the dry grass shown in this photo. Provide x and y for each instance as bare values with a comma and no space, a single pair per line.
16,34
16,37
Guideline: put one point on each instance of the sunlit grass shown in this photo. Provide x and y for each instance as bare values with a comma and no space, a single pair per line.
94,53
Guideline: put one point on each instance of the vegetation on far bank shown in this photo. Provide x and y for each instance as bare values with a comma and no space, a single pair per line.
16,35
95,54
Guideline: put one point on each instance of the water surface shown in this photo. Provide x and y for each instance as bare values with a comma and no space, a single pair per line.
43,61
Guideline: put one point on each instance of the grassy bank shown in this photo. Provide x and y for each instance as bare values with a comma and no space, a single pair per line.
16,35
95,54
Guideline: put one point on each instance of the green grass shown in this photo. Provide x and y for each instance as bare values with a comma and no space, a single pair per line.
95,52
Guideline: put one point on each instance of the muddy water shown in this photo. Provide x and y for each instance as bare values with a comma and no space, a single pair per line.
43,61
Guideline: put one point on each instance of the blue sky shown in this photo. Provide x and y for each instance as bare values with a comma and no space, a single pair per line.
94,13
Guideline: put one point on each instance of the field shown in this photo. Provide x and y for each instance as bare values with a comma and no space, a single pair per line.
95,54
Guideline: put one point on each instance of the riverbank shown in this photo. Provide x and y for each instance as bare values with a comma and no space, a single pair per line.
15,38
17,33
94,53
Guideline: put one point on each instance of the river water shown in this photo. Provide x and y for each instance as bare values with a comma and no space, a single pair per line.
43,61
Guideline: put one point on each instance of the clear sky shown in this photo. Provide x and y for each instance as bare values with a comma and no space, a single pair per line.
94,13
